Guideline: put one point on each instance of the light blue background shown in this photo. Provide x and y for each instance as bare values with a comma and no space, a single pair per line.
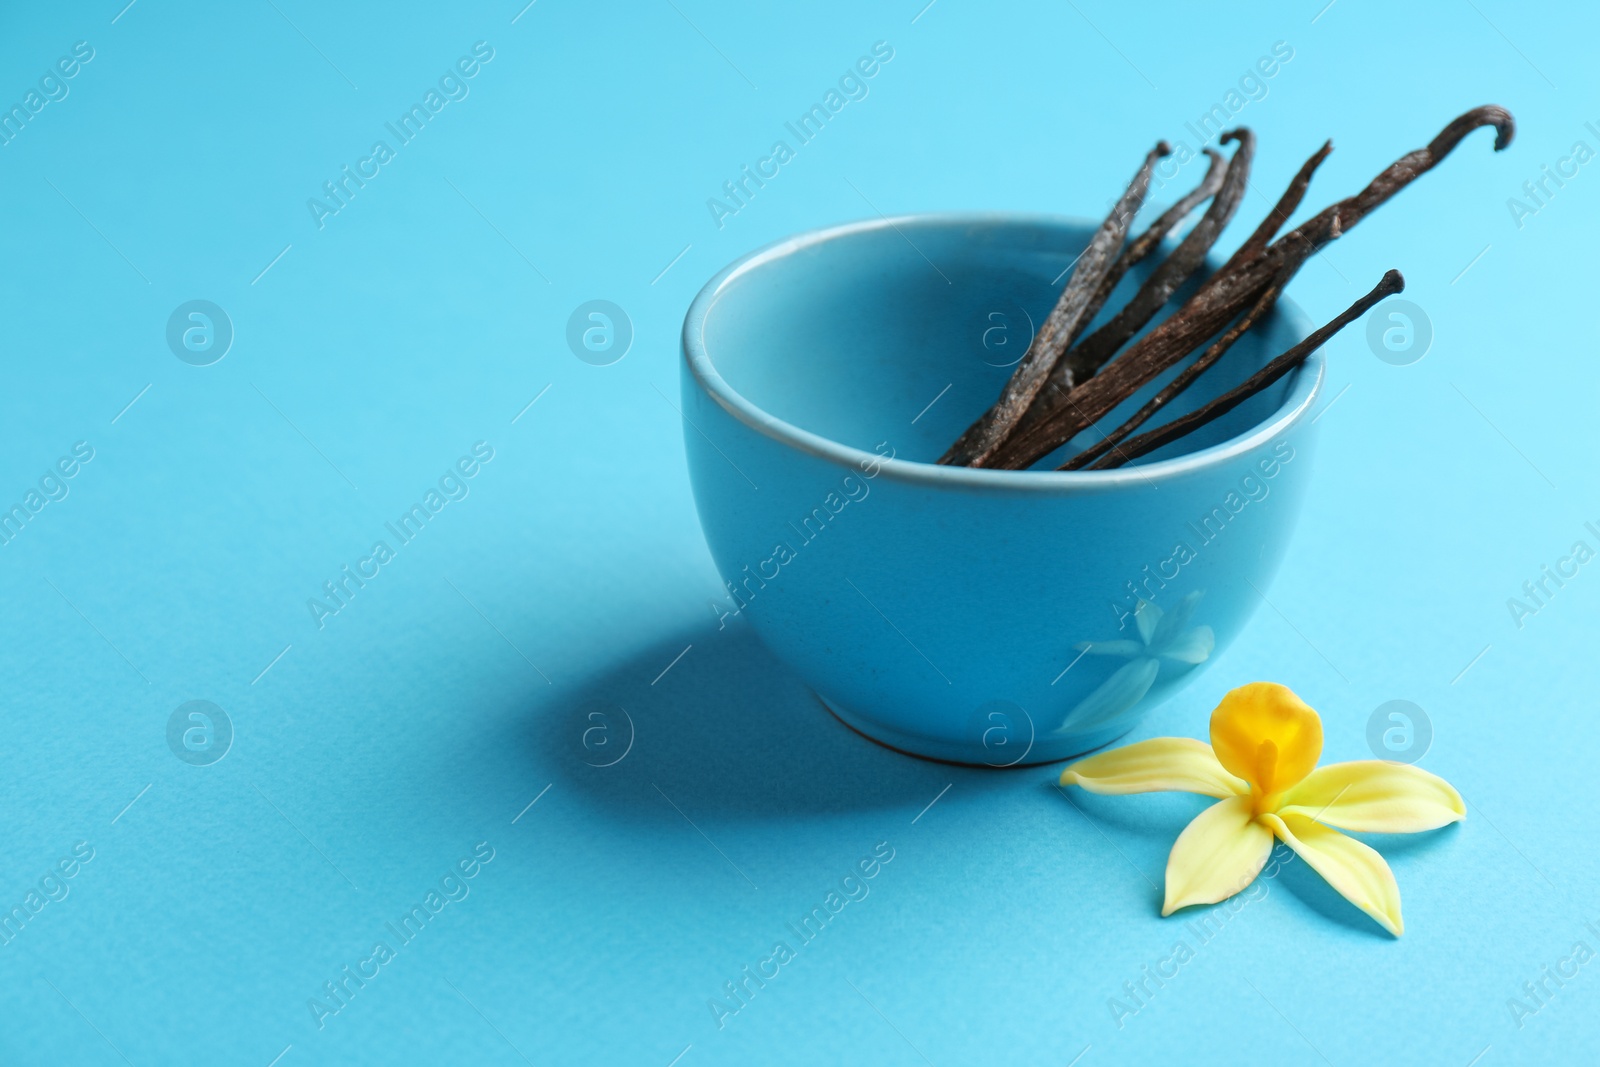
377,751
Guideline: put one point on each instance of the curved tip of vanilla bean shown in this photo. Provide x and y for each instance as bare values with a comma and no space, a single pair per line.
1505,128
1163,149
1238,133
1393,282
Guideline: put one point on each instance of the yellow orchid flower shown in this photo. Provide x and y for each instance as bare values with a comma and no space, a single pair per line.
1262,765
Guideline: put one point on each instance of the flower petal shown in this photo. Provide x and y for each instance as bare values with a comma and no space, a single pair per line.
1159,765
1375,796
1126,687
1357,872
1175,621
1217,855
1147,617
1191,646
1266,735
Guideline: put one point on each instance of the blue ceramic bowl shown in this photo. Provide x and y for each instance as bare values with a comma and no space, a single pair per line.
978,616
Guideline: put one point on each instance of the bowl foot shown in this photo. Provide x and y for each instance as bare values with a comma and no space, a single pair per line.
1037,751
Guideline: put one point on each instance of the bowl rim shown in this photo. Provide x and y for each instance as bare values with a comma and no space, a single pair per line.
1303,392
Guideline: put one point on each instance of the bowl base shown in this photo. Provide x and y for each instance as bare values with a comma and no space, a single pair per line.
1039,751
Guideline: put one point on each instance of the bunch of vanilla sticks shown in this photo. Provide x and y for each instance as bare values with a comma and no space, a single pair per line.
1063,385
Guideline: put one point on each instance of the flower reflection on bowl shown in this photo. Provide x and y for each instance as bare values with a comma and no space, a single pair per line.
1162,637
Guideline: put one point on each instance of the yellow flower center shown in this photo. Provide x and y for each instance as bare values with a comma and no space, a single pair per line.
1269,737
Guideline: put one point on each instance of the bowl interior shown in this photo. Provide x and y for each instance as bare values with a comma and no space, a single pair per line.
905,330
